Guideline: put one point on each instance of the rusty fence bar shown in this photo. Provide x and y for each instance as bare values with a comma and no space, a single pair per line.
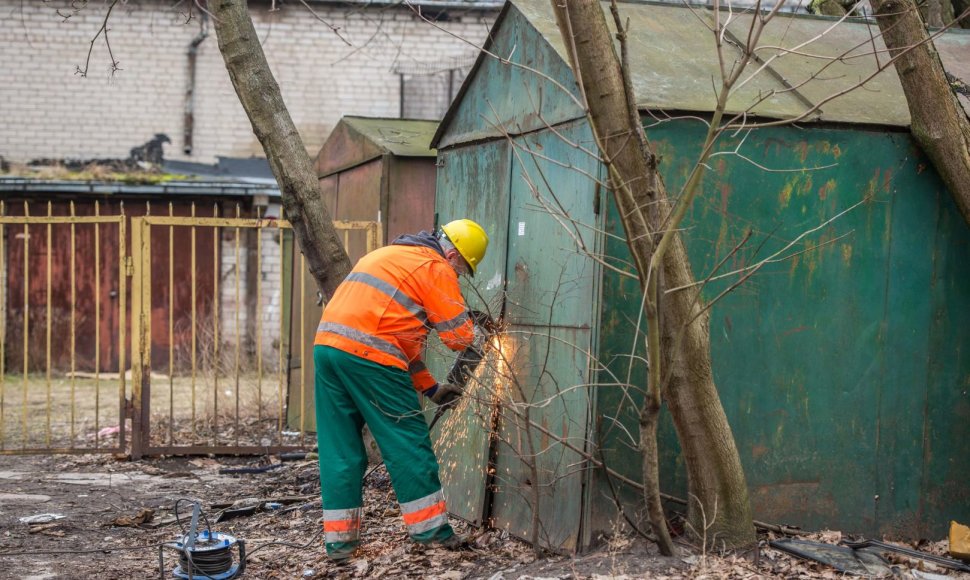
217,400
237,400
53,418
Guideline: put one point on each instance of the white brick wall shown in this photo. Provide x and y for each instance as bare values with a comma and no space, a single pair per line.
48,111
270,299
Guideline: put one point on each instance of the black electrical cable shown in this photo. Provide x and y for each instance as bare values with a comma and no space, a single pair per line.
91,551
310,543
208,526
206,561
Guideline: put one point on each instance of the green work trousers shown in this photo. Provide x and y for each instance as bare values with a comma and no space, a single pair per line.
351,391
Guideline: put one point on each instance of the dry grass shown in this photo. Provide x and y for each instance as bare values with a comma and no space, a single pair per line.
67,412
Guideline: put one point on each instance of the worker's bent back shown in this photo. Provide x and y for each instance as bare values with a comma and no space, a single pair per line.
383,310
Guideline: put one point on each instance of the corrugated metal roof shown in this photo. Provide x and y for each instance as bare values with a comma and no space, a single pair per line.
450,4
674,63
17,185
229,176
403,137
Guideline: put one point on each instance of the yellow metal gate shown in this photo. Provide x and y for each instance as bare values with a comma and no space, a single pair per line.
226,397
205,321
49,403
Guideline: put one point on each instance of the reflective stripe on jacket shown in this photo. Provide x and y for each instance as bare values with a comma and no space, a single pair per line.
384,308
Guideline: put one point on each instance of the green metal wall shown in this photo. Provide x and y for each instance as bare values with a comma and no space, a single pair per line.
542,287
549,306
472,182
841,369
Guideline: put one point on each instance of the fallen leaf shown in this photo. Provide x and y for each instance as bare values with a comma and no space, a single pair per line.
144,516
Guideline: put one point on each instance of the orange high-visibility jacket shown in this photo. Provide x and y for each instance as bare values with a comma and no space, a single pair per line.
384,308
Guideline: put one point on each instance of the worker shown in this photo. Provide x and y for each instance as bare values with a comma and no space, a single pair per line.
369,369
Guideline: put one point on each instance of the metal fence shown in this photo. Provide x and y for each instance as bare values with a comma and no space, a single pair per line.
43,423
205,321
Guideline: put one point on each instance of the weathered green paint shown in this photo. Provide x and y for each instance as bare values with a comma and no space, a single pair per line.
945,468
620,381
552,92
462,440
551,285
481,174
839,364
793,348
551,368
824,361
550,280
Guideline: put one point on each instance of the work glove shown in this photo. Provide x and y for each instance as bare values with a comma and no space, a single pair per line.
445,394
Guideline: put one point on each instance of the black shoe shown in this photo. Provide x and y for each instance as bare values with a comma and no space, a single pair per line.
342,562
454,542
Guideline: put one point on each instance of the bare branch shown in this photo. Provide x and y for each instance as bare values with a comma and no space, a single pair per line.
777,256
102,30
334,29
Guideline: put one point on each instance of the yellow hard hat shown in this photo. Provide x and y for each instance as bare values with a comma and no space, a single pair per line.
469,239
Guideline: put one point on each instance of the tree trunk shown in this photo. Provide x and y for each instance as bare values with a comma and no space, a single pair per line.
260,97
827,8
939,123
721,511
959,7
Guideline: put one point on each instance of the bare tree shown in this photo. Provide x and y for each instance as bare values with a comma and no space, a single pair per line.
260,97
939,124
677,329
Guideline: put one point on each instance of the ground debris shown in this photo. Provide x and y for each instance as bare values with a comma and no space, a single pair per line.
51,529
386,552
144,516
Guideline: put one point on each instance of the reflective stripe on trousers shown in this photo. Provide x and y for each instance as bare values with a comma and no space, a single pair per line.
341,525
426,513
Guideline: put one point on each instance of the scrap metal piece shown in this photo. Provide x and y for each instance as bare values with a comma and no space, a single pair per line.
940,560
959,541
843,558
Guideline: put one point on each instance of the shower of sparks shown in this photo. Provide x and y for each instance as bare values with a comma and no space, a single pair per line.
464,432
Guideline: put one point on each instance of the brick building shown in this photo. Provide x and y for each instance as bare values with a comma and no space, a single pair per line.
49,111
169,98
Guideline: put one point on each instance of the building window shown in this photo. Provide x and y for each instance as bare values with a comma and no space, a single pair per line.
427,89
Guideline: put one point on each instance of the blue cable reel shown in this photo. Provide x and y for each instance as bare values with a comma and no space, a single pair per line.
204,555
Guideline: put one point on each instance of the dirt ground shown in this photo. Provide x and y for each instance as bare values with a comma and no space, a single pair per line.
107,532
